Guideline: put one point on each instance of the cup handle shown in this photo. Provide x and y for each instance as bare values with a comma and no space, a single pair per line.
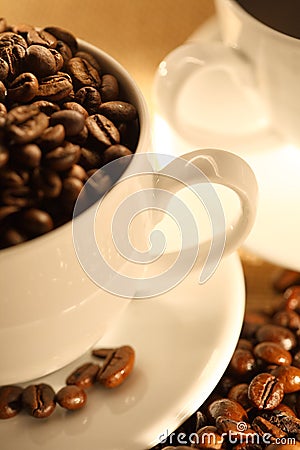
221,167
209,94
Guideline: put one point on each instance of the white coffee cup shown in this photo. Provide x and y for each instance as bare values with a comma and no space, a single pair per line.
51,308
255,69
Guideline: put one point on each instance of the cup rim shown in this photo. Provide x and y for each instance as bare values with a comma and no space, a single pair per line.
144,140
266,28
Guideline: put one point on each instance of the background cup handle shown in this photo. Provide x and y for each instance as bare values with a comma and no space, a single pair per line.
221,167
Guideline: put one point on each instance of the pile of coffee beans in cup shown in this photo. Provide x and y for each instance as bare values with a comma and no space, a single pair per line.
40,400
256,404
62,118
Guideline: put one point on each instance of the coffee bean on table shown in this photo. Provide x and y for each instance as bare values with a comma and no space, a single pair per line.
84,376
117,367
71,397
10,401
39,400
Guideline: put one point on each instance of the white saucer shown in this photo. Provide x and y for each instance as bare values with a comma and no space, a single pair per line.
183,340
221,108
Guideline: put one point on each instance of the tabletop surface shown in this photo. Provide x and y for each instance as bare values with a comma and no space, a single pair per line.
139,33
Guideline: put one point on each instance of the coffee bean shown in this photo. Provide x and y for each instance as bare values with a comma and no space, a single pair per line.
206,437
35,222
71,397
109,88
73,106
239,393
4,69
242,362
20,197
55,87
65,36
23,89
28,155
90,59
46,107
117,151
102,130
12,50
292,298
289,376
10,401
47,183
84,376
52,137
286,279
78,172
90,159
40,37
227,408
43,61
71,188
12,177
3,115
3,91
63,157
38,400
83,73
25,123
272,353
4,155
65,52
266,391
118,111
117,367
287,318
277,334
89,98
12,236
72,121
264,427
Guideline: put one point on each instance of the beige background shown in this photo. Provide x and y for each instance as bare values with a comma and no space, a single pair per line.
138,33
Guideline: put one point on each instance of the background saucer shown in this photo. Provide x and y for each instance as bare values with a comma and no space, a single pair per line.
183,339
226,113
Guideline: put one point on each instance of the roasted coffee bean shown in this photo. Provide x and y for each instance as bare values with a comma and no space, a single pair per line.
46,107
65,52
266,391
43,61
10,401
4,69
65,36
289,377
6,212
90,59
12,236
239,393
20,197
244,344
12,177
3,92
25,123
89,98
242,362
35,222
83,73
109,88
253,321
264,427
52,137
4,155
287,318
55,87
292,298
84,376
103,353
28,155
289,424
73,106
90,159
228,409
23,89
72,121
41,37
63,157
102,130
71,397
115,152
117,367
272,353
71,188
38,400
77,171
3,115
285,279
47,183
118,111
12,50
277,334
